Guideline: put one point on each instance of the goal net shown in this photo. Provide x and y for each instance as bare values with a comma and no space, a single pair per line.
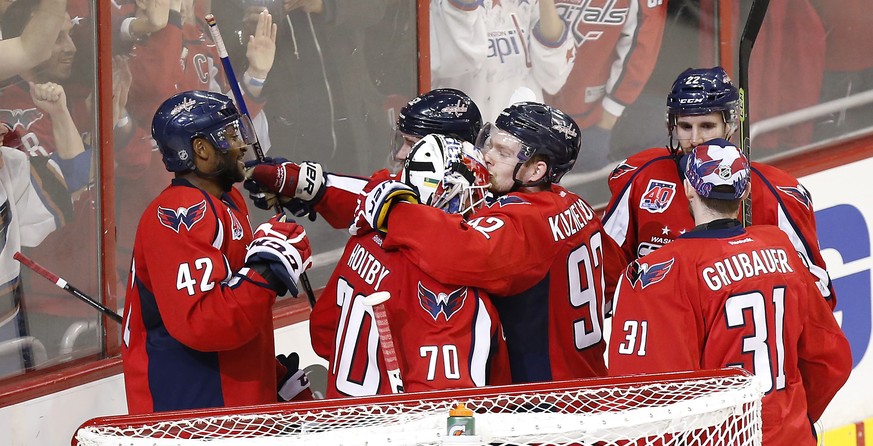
720,407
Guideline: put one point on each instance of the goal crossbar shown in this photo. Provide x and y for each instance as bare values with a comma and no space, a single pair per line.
715,407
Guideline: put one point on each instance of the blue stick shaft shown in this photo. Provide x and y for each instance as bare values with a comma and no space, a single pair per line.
241,103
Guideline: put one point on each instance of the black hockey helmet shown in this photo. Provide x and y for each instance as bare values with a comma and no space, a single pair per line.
542,130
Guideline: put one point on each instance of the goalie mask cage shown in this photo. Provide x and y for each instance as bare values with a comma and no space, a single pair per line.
719,407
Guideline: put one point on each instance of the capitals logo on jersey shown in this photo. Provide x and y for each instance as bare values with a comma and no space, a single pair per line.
658,196
175,219
587,20
645,274
236,228
798,193
621,169
436,303
20,117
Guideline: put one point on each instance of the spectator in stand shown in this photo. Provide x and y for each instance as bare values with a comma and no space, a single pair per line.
38,102
323,106
539,250
445,336
721,295
198,312
26,48
492,49
51,121
617,45
181,56
647,209
848,65
33,203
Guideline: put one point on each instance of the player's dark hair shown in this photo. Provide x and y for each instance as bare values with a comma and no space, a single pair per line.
722,206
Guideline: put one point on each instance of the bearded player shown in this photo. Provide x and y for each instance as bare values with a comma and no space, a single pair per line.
198,327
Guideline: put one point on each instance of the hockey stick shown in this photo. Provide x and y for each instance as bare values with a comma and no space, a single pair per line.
376,301
747,41
61,283
241,103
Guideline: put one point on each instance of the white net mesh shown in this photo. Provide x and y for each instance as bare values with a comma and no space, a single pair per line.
721,410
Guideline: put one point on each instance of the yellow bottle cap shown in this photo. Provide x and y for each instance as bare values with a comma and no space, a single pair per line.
460,411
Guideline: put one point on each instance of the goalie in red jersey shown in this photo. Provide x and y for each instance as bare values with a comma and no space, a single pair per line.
198,328
446,335
721,295
648,210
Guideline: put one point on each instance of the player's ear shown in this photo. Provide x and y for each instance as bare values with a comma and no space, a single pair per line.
539,170
201,148
690,192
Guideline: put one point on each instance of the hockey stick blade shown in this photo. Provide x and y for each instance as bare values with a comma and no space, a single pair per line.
61,283
376,298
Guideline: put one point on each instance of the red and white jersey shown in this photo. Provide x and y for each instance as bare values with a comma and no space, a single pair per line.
445,336
734,297
617,44
28,212
547,263
340,199
32,124
648,208
490,48
174,59
196,334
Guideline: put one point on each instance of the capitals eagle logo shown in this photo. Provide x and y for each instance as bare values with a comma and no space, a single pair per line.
436,303
175,219
645,274
799,193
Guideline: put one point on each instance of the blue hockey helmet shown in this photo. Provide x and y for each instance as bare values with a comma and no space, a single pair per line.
193,114
703,91
444,111
541,130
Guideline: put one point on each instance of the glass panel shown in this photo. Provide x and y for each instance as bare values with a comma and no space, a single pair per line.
339,77
48,187
628,52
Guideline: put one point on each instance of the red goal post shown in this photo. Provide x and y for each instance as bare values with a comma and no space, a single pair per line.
687,408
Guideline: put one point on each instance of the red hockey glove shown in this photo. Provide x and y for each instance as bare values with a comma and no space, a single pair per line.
305,181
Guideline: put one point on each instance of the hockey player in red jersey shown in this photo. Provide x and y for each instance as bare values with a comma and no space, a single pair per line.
648,210
538,249
307,189
446,335
198,326
721,295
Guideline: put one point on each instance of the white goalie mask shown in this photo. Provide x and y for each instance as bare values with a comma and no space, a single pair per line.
447,173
